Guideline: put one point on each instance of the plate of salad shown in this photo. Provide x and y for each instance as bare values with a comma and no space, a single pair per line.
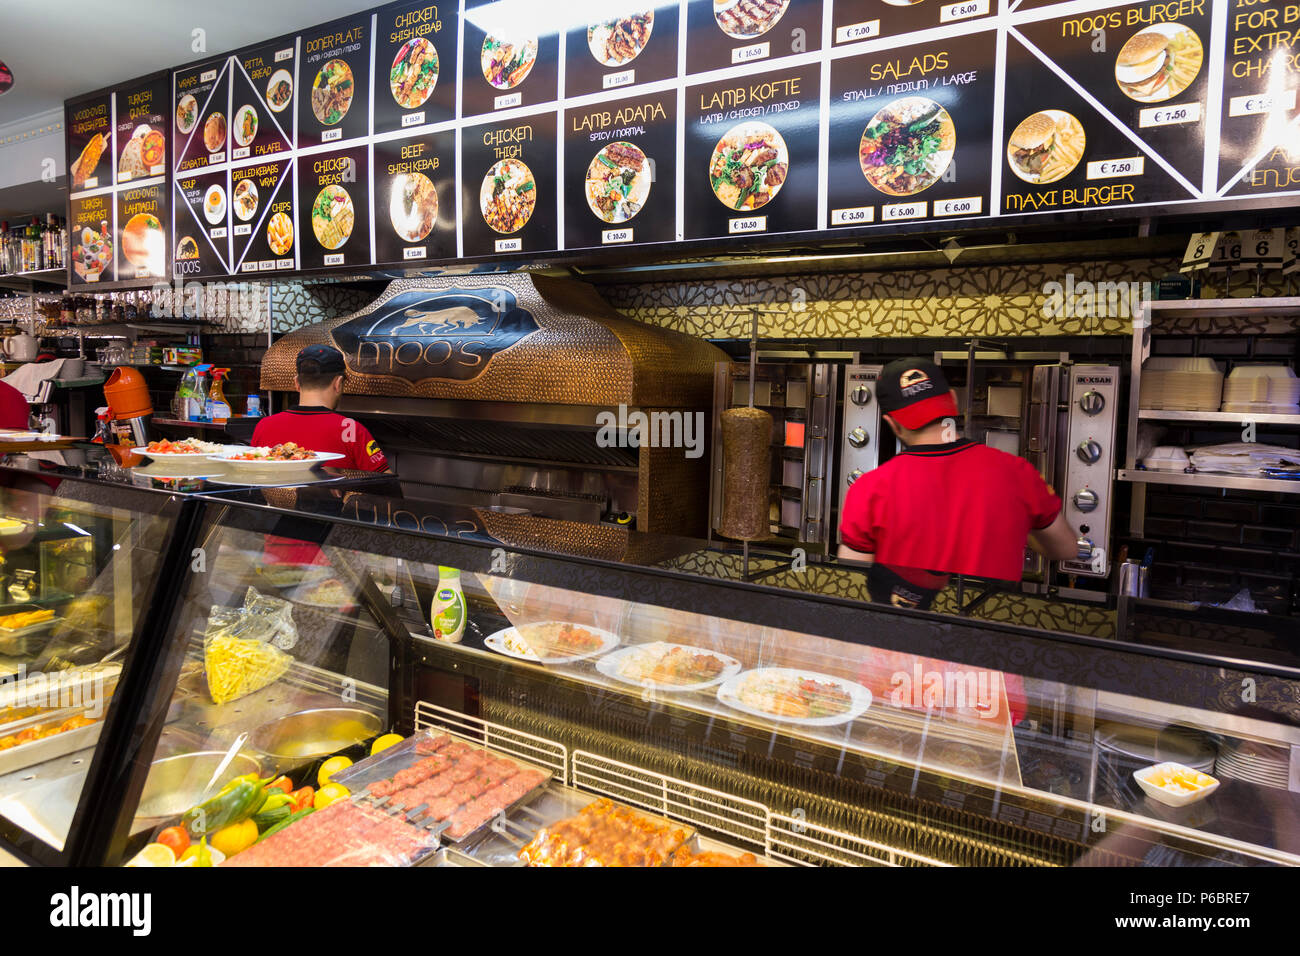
907,146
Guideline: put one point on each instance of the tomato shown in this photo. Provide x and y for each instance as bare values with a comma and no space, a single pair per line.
281,783
177,838
302,798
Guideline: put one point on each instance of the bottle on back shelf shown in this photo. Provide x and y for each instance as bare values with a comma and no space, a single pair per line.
447,613
218,407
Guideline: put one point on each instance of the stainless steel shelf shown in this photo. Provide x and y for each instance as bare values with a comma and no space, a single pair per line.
1220,308
1202,480
1230,418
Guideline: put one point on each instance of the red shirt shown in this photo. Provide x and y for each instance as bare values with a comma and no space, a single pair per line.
13,408
960,508
320,429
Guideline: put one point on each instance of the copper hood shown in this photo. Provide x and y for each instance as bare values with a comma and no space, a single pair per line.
505,338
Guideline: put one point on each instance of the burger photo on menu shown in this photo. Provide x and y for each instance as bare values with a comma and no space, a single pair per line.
413,206
749,166
507,60
332,91
279,90
618,182
1046,146
187,113
907,146
747,19
332,216
508,196
619,40
1159,62
279,233
414,73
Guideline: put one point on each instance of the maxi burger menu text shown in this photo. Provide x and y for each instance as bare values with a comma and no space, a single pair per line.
425,132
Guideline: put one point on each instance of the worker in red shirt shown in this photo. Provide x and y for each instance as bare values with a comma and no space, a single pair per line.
314,424
945,503
14,412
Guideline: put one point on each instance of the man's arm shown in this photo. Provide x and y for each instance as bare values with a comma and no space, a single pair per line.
849,554
1057,541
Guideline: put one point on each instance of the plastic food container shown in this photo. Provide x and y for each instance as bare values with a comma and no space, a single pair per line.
1161,782
1166,458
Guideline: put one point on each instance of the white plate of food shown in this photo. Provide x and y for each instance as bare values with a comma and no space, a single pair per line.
214,205
569,642
13,526
190,449
330,594
795,696
676,668
245,199
245,125
285,456
279,90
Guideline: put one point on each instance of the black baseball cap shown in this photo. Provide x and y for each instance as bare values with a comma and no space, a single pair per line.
914,393
317,359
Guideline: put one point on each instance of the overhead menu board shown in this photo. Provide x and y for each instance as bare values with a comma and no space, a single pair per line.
423,132
117,183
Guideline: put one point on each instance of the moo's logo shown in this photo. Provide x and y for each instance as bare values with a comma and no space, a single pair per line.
448,335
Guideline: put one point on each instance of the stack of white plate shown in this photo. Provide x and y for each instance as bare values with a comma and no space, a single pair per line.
1267,389
1181,384
1166,458
1254,763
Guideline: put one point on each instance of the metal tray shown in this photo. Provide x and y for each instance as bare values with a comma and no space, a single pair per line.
388,762
17,642
40,751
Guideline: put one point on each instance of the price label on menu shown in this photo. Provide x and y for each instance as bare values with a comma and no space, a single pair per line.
894,212
748,224
1169,115
967,206
961,11
857,215
509,245
1200,249
748,54
1114,168
1258,103
858,31
611,236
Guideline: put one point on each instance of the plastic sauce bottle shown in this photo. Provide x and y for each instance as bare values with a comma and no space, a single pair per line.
447,614
218,407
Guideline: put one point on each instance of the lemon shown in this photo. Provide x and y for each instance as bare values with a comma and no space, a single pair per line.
155,854
238,836
330,793
384,742
330,767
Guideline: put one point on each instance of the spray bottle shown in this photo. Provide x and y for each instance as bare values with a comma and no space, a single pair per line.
218,407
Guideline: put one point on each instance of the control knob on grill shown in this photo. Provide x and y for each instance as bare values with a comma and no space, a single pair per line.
861,395
1092,402
858,437
1089,451
1085,499
855,474
1085,548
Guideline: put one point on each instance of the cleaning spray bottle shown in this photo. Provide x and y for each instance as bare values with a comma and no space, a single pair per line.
218,407
447,614
198,400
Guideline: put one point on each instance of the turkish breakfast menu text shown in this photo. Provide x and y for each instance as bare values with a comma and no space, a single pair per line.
423,132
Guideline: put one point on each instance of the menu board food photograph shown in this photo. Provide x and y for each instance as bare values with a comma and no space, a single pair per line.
415,198
512,52
417,62
727,33
509,187
334,73
90,237
141,233
201,116
334,208
620,161
262,100
487,129
626,43
751,158
909,132
261,216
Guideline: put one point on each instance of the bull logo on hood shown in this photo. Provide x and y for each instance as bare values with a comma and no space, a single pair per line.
449,335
